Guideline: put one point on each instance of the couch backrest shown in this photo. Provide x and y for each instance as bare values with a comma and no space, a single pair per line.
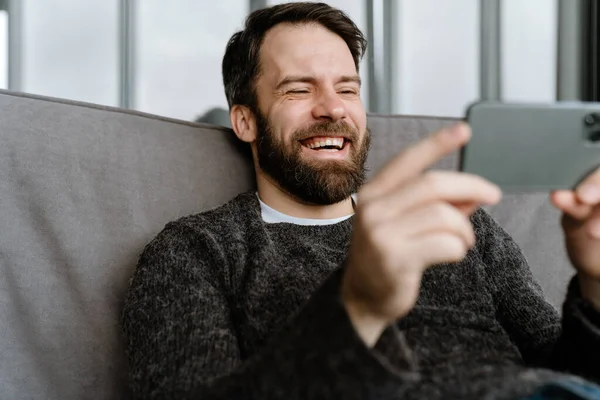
83,188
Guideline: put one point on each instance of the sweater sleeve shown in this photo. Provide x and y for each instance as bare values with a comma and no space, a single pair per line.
578,348
570,345
181,342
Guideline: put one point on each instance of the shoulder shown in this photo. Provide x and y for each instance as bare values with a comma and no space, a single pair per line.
208,230
222,223
198,244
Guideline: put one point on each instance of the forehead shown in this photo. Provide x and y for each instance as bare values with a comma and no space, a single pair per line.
304,49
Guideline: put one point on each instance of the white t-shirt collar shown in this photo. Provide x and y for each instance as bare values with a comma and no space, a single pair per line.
272,216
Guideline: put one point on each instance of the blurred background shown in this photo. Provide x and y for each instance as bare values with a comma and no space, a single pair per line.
427,57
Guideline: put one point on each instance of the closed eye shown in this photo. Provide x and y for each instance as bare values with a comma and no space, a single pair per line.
298,91
348,92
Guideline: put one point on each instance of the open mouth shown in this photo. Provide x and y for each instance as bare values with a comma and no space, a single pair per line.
325,144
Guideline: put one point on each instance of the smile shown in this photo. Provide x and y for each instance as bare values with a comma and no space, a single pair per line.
326,148
325,144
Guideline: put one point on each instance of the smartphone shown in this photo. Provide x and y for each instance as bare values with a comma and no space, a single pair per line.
532,147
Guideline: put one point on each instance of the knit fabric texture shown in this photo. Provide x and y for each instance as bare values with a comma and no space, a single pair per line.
225,306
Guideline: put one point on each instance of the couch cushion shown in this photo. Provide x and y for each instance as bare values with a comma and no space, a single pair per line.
83,188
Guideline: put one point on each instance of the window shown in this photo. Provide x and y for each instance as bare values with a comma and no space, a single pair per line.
180,48
438,71
70,49
3,49
529,35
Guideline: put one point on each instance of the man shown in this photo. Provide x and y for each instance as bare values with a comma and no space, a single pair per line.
303,291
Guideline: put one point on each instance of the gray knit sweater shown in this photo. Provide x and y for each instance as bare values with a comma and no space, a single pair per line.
225,306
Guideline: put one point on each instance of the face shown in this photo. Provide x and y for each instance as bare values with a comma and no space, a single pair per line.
312,141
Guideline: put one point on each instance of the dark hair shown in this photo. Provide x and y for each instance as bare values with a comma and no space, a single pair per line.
241,64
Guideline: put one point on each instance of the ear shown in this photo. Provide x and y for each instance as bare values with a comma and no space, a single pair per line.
243,123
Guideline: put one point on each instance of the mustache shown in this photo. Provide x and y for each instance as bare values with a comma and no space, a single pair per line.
327,128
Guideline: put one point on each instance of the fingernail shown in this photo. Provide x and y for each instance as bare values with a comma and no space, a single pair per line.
589,194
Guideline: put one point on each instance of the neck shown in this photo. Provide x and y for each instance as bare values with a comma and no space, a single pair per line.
274,197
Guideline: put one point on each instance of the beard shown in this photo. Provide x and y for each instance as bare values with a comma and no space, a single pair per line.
313,181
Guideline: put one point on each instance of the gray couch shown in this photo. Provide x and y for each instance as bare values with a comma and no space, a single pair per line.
83,188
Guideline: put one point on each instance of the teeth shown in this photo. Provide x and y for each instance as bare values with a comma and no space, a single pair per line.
337,142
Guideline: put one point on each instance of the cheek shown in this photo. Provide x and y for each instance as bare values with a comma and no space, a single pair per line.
294,110
291,122
357,114
282,137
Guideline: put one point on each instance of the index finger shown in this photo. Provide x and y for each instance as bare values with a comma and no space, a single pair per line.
418,157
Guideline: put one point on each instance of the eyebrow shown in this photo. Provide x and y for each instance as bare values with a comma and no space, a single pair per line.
309,79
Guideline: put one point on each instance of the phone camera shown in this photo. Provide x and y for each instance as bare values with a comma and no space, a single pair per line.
591,119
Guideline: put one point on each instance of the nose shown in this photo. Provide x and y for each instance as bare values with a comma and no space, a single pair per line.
329,107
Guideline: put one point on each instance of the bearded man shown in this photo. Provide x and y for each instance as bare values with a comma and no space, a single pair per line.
319,285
